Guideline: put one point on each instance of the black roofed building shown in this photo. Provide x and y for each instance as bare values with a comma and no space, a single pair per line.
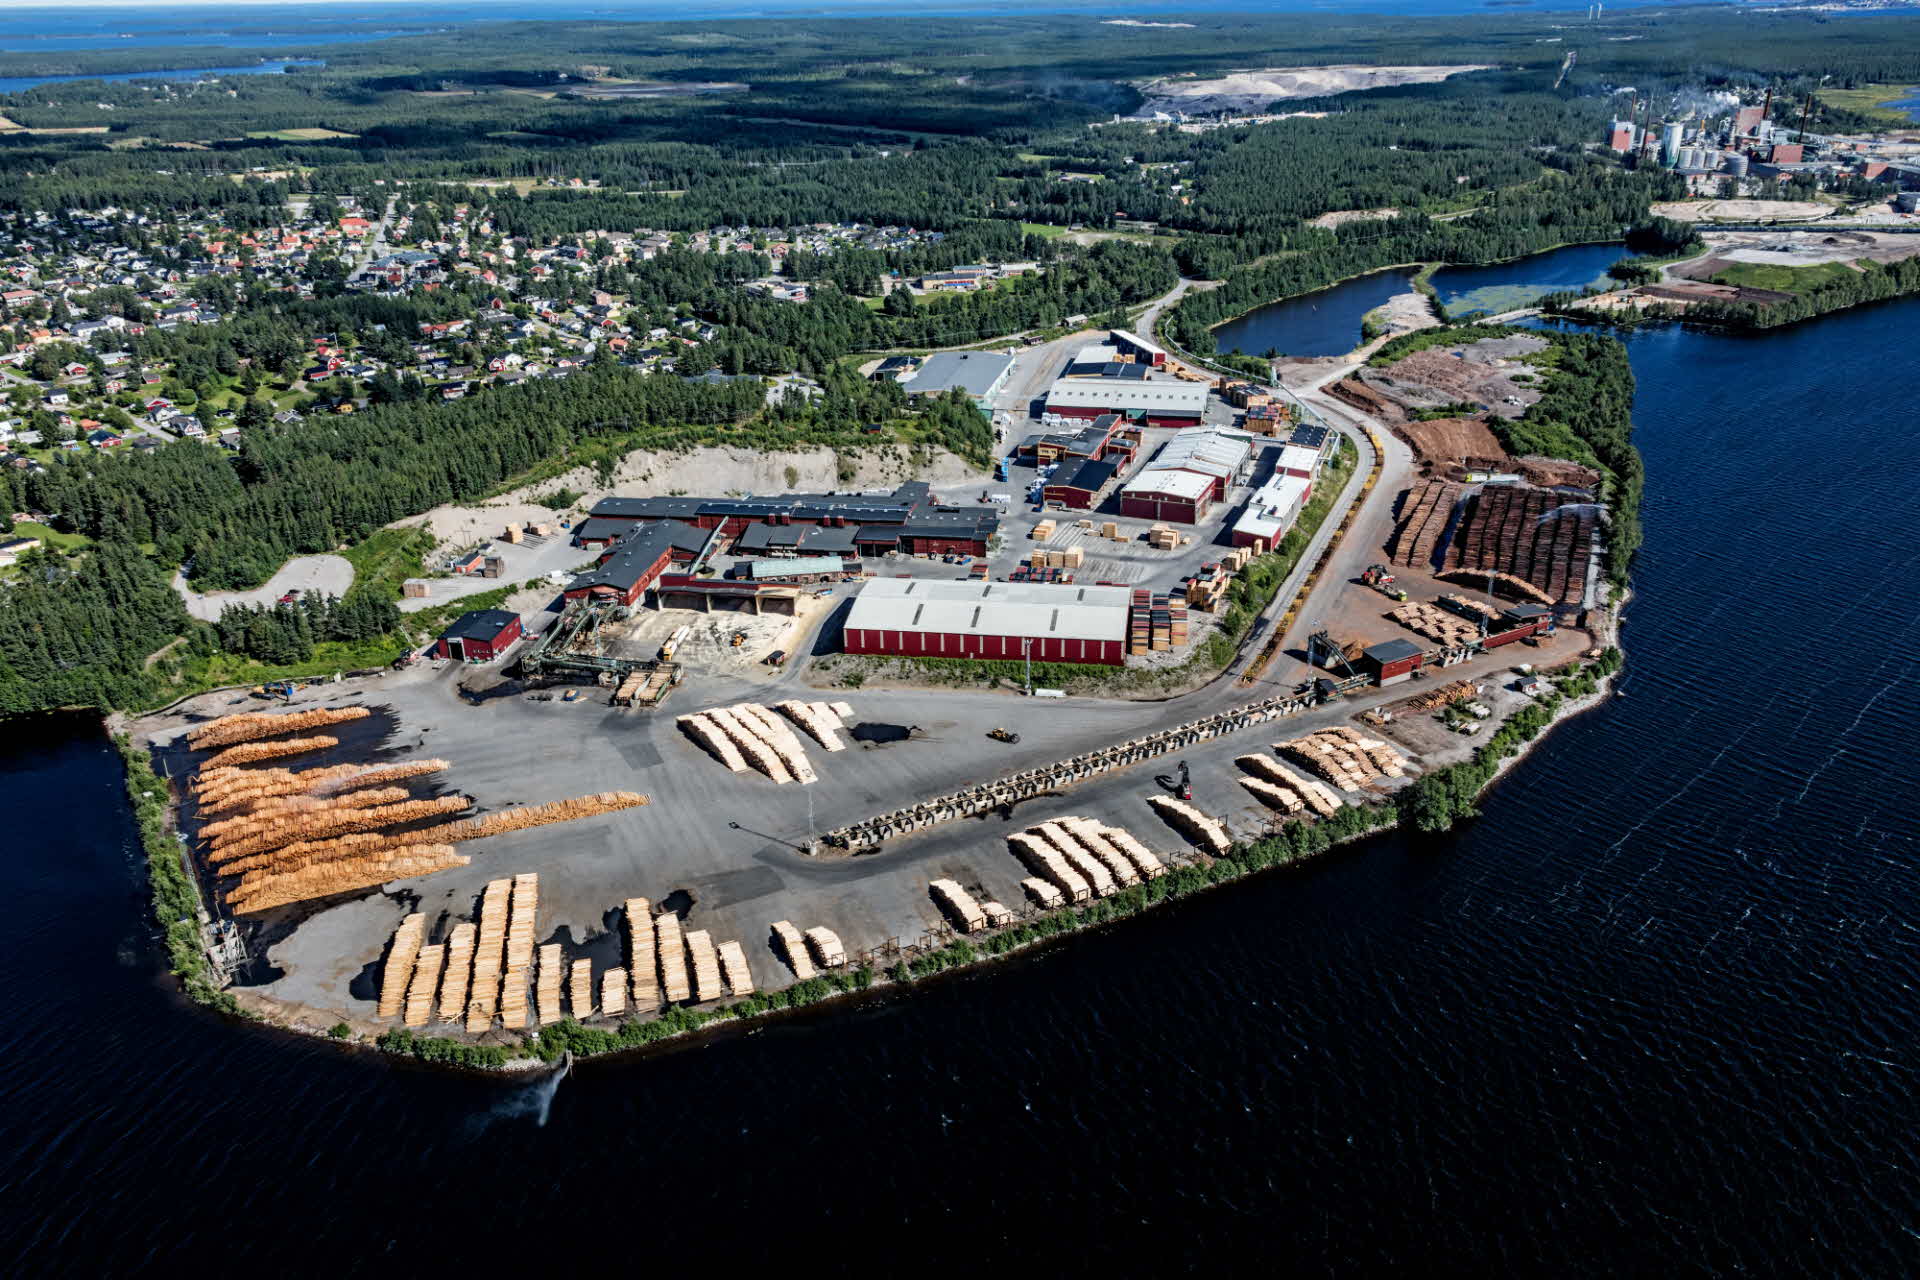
480,636
631,565
907,519
1079,484
1392,661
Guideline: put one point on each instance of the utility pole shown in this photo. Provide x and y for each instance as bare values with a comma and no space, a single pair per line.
1026,655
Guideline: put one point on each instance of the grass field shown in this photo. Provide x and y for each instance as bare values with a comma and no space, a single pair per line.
1756,275
314,134
1041,229
1868,102
51,537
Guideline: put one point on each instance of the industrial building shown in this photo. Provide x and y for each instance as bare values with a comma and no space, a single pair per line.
1184,497
1158,403
1095,440
1271,511
480,636
1079,484
907,520
904,617
1191,473
981,374
1139,348
628,567
1297,460
1392,661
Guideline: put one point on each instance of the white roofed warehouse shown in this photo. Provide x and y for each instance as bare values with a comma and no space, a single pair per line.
919,618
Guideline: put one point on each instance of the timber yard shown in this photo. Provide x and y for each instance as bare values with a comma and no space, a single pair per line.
710,761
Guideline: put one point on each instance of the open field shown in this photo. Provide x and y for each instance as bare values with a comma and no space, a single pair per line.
312,134
1783,277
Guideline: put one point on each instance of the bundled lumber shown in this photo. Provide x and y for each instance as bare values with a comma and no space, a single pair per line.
641,966
248,752
733,968
1319,797
401,954
1043,859
1274,795
490,950
426,983
613,992
1089,839
706,967
996,914
255,818
1191,823
672,953
826,947
1143,859
1043,893
276,831
759,753
546,986
959,905
330,878
246,727
580,990
774,732
453,987
519,953
714,739
538,815
1091,869
816,718
795,948
844,710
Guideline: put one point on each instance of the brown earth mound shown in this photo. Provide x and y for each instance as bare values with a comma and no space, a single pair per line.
1443,440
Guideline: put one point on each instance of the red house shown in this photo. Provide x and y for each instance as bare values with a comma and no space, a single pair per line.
480,636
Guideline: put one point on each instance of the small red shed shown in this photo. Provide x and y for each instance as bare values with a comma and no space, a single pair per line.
480,636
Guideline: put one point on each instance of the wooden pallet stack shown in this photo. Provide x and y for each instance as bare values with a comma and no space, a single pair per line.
733,968
453,989
426,983
706,966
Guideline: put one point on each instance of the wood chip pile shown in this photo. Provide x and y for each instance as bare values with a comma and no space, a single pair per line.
705,965
1196,826
733,967
401,954
249,726
959,905
673,957
795,948
426,982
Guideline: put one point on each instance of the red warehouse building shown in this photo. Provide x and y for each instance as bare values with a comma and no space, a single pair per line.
1078,484
1158,403
480,636
1183,497
907,617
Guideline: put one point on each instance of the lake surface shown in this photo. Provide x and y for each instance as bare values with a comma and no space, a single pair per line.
1327,323
14,84
1653,1014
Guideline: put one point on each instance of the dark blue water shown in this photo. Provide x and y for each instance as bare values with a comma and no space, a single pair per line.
1470,291
1909,104
1653,1015
1325,323
14,84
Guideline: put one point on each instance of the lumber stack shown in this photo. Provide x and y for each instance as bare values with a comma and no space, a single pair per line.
826,947
733,968
844,710
819,719
642,968
538,815
249,726
706,967
1273,795
426,982
1040,857
996,914
795,947
1191,823
453,988
546,986
1091,869
774,732
959,905
490,949
519,954
248,752
580,990
613,992
1143,859
1091,842
402,952
1043,893
715,739
762,756
672,953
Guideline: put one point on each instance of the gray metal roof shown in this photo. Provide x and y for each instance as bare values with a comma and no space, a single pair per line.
1061,612
977,373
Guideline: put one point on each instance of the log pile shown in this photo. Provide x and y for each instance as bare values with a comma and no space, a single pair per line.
641,965
401,954
538,815
826,947
580,990
1273,795
326,879
714,739
1344,756
490,951
546,986
249,752
1196,826
959,905
248,726
277,835
706,967
672,952
453,989
1143,859
219,790
795,948
733,967
426,982
519,953
759,753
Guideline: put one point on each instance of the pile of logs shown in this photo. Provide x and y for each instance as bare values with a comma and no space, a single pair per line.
248,726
